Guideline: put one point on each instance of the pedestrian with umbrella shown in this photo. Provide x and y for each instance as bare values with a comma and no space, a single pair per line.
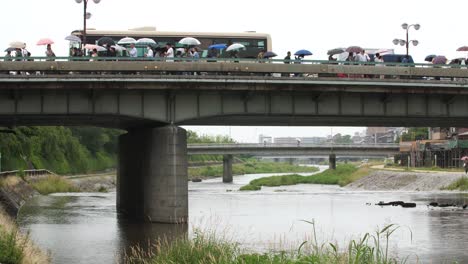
50,53
465,163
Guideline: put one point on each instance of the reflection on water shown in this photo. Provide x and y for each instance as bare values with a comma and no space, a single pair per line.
85,228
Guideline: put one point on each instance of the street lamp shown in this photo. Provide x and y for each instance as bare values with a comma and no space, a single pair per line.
86,15
406,42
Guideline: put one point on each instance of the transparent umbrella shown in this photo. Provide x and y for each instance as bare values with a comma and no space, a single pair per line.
235,46
127,41
190,41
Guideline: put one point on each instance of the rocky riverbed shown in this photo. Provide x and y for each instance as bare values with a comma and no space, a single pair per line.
389,180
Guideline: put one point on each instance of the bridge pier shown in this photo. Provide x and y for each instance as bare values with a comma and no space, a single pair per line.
152,175
227,168
332,162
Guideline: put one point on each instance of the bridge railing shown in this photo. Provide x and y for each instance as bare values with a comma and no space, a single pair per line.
228,66
293,145
33,173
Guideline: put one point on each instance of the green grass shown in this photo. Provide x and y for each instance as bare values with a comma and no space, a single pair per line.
11,250
343,175
249,168
372,248
53,184
461,184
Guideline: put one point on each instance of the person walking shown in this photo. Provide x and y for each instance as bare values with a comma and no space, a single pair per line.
133,51
7,56
287,59
169,52
465,165
149,52
50,53
260,56
379,63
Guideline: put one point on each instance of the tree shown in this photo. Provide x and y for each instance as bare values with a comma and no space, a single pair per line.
415,133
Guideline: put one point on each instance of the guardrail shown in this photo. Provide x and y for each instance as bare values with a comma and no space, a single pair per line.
32,173
227,66
291,145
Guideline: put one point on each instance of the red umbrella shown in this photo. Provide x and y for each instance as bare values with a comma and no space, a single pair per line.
354,49
464,48
45,41
464,158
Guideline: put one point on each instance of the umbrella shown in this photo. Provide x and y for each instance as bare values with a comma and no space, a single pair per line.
10,49
73,38
218,46
354,49
146,41
439,60
429,58
190,41
104,41
464,48
303,52
335,51
235,46
17,45
92,46
45,41
127,40
464,158
269,54
118,48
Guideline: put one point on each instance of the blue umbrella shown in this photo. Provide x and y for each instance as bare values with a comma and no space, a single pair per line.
218,46
269,54
303,52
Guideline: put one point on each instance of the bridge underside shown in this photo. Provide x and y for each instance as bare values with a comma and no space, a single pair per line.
149,108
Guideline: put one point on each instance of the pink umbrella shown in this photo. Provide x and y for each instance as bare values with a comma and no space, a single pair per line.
463,48
354,49
439,60
92,46
45,41
464,158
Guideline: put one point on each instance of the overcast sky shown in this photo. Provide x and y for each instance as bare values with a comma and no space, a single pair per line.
293,25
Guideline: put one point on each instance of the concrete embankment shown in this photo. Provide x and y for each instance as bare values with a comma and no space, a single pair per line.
14,192
390,180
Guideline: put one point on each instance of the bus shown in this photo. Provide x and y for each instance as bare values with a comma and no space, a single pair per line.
253,41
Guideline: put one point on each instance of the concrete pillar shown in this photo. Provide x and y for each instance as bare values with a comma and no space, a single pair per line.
332,162
152,181
227,168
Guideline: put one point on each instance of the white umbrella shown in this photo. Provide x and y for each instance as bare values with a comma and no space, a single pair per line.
144,41
92,46
17,45
118,48
235,46
127,40
189,41
73,38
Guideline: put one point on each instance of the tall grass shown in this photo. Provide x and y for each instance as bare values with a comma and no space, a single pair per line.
16,247
343,175
53,184
249,168
460,184
372,248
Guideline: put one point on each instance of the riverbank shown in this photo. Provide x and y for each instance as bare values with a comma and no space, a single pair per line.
208,248
397,180
15,247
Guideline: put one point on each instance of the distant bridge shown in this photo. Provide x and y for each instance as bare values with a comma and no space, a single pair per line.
308,150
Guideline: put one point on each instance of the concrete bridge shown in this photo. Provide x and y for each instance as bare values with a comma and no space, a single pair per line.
151,99
292,150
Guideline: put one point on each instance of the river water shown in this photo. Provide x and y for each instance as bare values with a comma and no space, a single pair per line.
85,227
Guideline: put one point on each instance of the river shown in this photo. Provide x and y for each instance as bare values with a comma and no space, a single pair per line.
85,227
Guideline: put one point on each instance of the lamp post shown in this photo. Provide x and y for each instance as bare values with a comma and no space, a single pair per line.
406,42
86,15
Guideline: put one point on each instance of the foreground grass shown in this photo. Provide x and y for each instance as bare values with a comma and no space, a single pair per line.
372,248
343,175
461,184
249,168
15,247
53,184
